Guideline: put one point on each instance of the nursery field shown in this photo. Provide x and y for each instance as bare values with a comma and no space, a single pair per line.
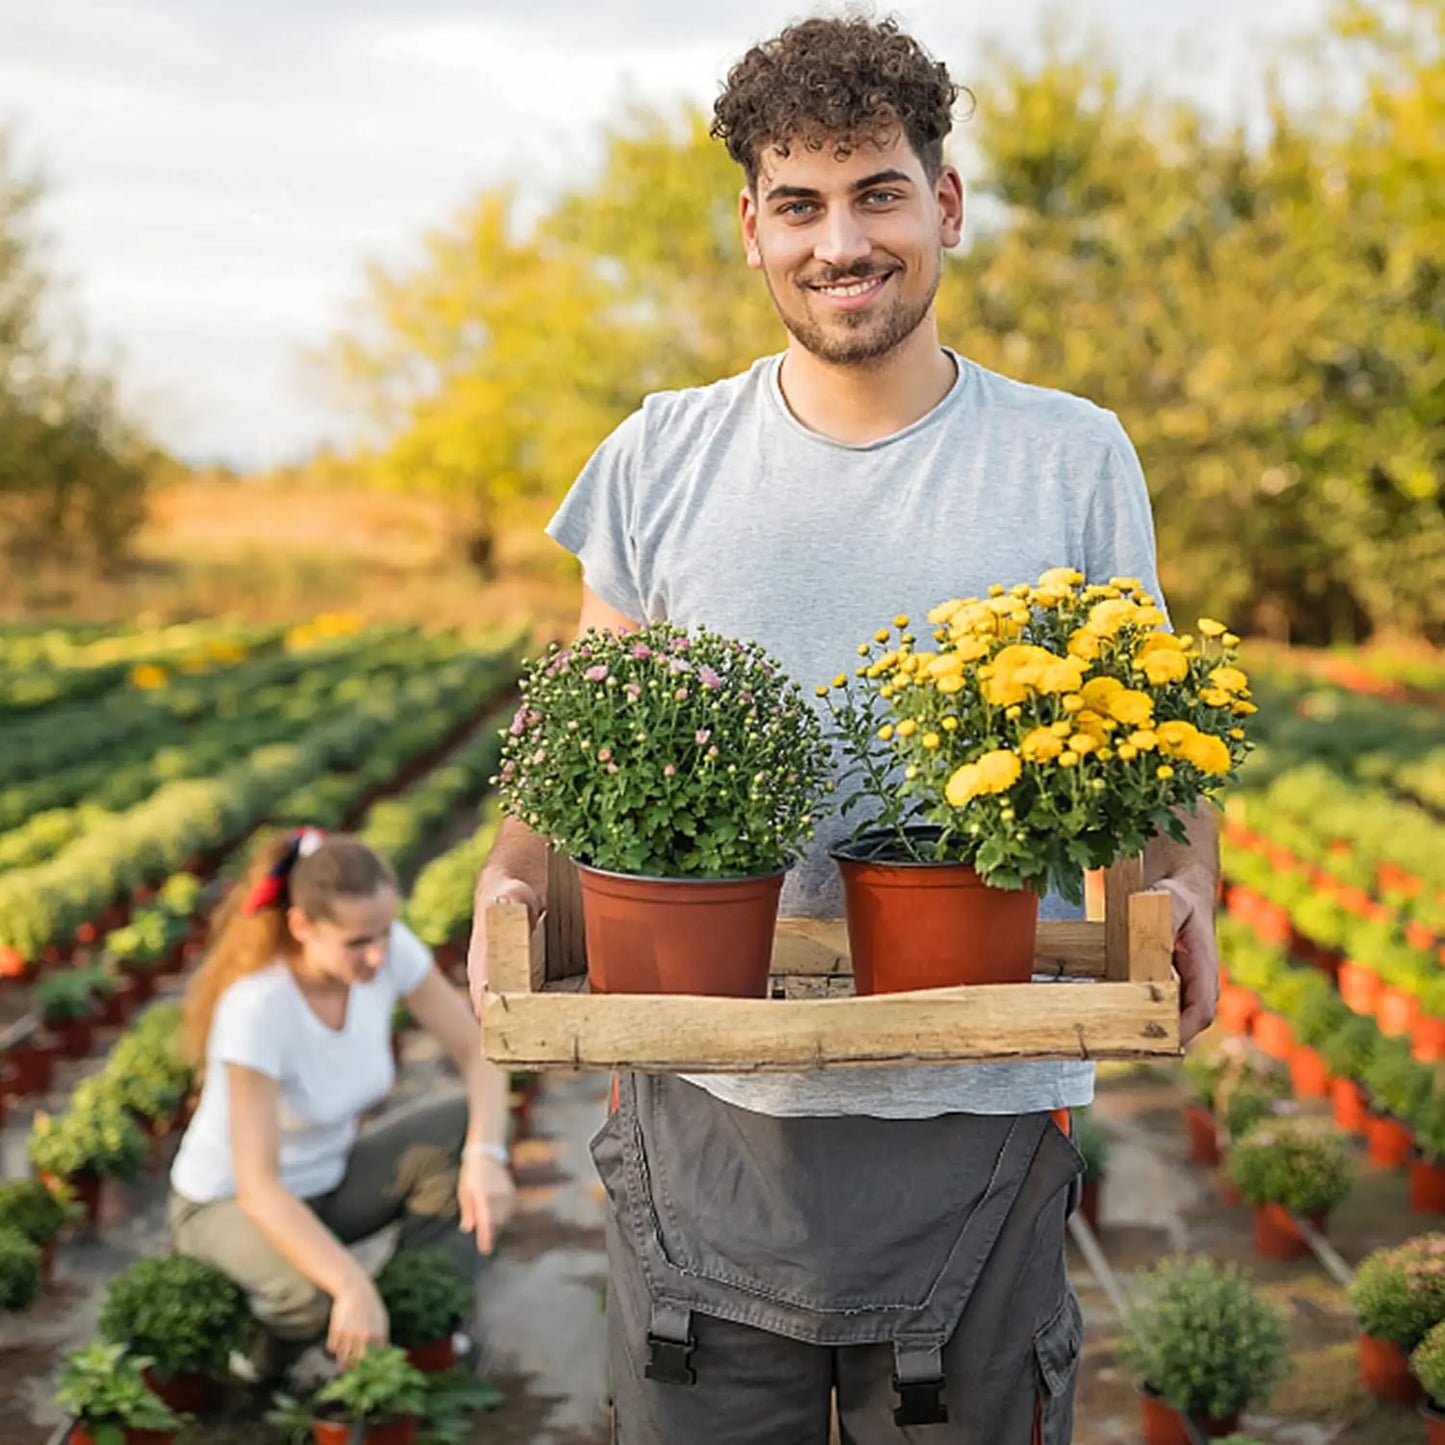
138,765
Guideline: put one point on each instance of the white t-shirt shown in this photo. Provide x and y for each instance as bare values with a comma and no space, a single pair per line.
328,1077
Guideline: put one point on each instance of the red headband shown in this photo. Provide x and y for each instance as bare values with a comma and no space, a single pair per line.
270,890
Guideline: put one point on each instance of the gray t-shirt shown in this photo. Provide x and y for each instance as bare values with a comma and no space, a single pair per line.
717,507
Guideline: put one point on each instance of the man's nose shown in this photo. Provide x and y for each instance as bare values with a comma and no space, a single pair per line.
841,242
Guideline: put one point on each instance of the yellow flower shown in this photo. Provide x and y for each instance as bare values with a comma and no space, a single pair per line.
946,664
1084,645
863,649
1161,666
949,685
1106,618
1083,744
901,621
1105,754
1090,722
1243,709
1014,713
822,689
1098,690
1164,772
907,728
1061,729
1040,746
1065,577
994,772
1127,752
1177,735
1073,702
1210,628
996,590
944,611
1126,584
1149,617
1131,707
950,724
1237,734
1068,760
885,733
148,677
882,635
1230,679
1208,754
1214,697
931,740
970,649
1145,740
1230,640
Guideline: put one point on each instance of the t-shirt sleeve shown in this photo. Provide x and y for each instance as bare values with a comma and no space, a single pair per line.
1119,524
597,521
249,1029
409,961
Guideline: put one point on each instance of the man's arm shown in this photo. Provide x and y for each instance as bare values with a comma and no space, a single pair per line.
1189,871
516,867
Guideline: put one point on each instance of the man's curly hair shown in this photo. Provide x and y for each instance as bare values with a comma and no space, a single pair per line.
839,81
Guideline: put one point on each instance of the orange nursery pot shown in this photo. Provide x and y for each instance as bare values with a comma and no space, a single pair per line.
1236,1009
1428,1039
1434,1419
1388,1142
1396,1012
1203,1134
1276,1236
1385,1371
1273,1036
1309,1077
1350,1110
1164,1425
1427,1186
1360,987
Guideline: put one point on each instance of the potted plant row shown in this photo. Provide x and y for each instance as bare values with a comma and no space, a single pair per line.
20,1271
381,1399
1289,1169
38,1213
1427,1364
95,1140
104,1388
427,1300
1398,1295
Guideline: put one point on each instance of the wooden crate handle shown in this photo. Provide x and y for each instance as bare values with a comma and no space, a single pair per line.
566,938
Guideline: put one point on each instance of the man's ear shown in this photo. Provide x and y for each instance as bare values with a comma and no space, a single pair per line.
949,192
748,215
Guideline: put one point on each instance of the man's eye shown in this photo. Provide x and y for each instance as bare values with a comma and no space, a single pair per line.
796,208
883,197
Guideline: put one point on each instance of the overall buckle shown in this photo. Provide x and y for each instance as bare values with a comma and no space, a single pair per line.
669,1362
921,1402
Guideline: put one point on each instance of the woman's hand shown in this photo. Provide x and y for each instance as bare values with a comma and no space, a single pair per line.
487,1195
358,1319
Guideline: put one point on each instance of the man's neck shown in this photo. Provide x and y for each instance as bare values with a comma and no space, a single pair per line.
861,404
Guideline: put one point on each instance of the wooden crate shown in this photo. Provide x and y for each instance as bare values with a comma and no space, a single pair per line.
1111,994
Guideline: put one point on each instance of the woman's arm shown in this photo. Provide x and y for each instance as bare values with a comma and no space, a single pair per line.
485,1190
358,1315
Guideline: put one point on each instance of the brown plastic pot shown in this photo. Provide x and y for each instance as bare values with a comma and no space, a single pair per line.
113,1009
932,925
1203,1134
1164,1425
1427,1186
1428,1039
185,1394
1308,1075
1385,1370
34,1064
1273,1036
1276,1236
1360,987
74,1036
387,1432
435,1357
1396,1012
1434,1419
1350,1111
668,935
1387,1141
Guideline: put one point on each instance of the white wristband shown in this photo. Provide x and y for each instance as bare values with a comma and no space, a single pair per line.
499,1152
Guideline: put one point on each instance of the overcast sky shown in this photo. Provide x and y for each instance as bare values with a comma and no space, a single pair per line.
220,170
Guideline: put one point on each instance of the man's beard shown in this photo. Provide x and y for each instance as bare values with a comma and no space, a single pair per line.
877,334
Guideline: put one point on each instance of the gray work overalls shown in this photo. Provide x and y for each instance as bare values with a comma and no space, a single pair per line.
763,1267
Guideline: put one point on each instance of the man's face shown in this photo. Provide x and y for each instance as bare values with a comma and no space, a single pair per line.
851,248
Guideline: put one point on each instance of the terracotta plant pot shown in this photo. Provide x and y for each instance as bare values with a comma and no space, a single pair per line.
1385,1371
1396,1012
1360,987
1276,1236
1427,1186
1236,1009
1273,1036
1434,1419
433,1358
74,1036
113,1009
1091,1201
1228,1189
1203,1134
142,982
80,1436
1349,1107
1164,1425
34,1064
661,935
932,925
390,1432
1309,1077
1428,1039
185,1394
1387,1141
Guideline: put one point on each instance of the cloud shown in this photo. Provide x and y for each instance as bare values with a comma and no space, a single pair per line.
221,172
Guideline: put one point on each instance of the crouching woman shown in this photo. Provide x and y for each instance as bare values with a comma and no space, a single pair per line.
290,1019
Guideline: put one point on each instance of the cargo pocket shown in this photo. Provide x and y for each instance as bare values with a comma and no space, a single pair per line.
1057,1347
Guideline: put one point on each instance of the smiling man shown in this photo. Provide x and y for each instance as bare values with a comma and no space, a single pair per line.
886,1243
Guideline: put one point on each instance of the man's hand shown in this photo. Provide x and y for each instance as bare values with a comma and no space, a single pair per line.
506,890
1196,956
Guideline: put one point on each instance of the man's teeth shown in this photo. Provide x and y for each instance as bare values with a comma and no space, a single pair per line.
851,288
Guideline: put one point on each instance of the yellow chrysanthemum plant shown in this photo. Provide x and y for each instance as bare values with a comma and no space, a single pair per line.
1047,729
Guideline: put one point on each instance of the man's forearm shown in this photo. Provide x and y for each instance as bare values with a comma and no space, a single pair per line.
1194,862
517,853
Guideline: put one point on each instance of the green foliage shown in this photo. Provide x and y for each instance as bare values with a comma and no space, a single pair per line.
1349,1049
1203,1339
381,1385
146,1069
96,1135
1295,1163
1427,1364
64,996
1399,1293
186,1315
1397,1085
667,752
426,1298
1319,1017
35,1210
103,1387
1091,1139
19,1270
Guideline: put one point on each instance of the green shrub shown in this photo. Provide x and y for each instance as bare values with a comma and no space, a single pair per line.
426,1297
1319,1016
104,1388
184,1314
1202,1338
1399,1293
19,1270
1092,1141
1427,1363
35,1210
61,997
1292,1162
381,1385
96,1135
1349,1049
1428,1124
1397,1085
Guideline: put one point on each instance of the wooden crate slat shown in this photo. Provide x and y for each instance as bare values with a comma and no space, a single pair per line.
1151,936
708,1035
1121,881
